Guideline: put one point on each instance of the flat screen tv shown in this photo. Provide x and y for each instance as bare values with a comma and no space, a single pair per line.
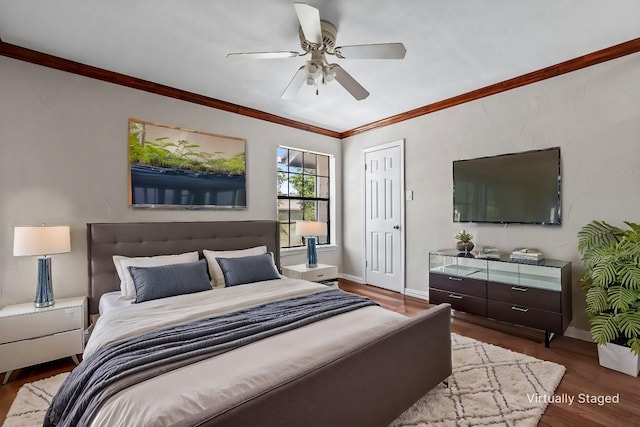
519,188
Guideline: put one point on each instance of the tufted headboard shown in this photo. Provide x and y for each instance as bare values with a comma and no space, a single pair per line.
165,238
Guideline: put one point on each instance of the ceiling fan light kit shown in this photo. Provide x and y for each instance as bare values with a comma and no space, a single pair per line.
318,39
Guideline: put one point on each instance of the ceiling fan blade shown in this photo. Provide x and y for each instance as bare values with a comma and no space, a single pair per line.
372,51
262,55
294,85
349,83
309,18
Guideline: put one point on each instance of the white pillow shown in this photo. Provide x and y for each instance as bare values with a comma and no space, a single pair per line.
122,263
217,277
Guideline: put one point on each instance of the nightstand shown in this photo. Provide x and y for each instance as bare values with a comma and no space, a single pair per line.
323,273
30,335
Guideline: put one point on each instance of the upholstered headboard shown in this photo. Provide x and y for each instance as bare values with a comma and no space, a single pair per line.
164,238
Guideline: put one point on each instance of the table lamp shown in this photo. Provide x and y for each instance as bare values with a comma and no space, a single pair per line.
42,241
311,230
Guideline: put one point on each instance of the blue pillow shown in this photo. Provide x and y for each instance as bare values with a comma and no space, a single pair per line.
248,269
170,280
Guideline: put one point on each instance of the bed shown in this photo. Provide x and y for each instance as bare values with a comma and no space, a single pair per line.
361,367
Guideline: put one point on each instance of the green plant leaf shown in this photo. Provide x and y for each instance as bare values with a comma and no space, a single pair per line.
634,344
634,227
597,300
629,324
586,283
620,298
630,276
604,273
604,328
596,233
464,236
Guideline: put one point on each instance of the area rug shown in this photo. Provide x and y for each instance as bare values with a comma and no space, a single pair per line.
32,402
490,386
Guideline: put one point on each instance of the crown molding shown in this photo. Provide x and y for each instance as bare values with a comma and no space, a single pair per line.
607,54
46,60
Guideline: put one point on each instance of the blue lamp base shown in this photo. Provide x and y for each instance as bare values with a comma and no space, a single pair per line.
312,255
44,291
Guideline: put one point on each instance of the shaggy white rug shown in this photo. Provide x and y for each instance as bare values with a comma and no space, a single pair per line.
490,386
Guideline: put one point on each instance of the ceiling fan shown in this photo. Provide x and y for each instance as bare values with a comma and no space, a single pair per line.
317,38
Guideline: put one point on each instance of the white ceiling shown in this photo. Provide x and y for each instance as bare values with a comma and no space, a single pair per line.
453,46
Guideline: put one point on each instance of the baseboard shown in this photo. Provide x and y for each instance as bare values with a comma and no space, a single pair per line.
351,278
577,333
408,292
416,294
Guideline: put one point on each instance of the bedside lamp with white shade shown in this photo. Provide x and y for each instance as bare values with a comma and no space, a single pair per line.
311,230
42,241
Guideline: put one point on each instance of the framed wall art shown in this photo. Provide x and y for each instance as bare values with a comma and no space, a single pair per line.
171,167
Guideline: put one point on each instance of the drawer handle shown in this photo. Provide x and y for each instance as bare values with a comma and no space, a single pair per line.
320,275
523,310
518,288
457,279
455,296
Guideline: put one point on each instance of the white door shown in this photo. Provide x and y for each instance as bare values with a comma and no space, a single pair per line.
384,214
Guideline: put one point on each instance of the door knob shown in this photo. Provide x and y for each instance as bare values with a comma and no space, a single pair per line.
396,227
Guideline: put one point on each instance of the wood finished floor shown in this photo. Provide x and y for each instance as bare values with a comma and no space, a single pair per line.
583,375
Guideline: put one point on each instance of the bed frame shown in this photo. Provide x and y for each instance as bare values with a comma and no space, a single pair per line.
369,385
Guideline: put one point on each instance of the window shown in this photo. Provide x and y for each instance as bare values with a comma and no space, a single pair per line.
303,193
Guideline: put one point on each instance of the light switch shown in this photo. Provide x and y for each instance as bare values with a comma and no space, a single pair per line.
409,194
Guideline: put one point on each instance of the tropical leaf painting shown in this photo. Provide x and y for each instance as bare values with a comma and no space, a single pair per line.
175,167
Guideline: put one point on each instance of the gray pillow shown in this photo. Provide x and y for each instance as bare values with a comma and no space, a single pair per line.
170,280
248,269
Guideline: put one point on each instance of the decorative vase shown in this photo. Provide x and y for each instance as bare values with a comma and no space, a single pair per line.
464,246
619,358
312,255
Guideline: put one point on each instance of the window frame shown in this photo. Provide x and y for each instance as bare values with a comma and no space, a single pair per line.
330,171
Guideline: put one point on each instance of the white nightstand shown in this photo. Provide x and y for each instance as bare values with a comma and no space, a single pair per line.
30,335
323,273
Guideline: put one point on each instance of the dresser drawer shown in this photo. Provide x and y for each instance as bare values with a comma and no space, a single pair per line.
460,285
469,304
525,316
19,354
40,323
524,296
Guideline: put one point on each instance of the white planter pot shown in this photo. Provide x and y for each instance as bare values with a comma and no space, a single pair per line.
619,358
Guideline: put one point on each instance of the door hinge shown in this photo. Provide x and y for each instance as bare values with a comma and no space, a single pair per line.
365,166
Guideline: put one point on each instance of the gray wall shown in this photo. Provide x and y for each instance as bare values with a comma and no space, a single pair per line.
63,161
592,114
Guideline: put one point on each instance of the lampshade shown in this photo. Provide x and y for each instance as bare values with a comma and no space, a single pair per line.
43,240
311,228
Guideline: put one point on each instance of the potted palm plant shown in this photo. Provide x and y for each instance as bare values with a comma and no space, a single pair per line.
611,282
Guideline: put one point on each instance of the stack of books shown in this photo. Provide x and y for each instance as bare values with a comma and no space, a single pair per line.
526,255
490,252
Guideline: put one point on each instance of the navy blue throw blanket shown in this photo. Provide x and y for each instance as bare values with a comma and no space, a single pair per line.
92,382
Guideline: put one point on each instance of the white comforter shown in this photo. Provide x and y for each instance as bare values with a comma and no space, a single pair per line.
234,376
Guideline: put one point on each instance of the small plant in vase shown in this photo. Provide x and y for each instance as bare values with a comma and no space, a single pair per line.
464,243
